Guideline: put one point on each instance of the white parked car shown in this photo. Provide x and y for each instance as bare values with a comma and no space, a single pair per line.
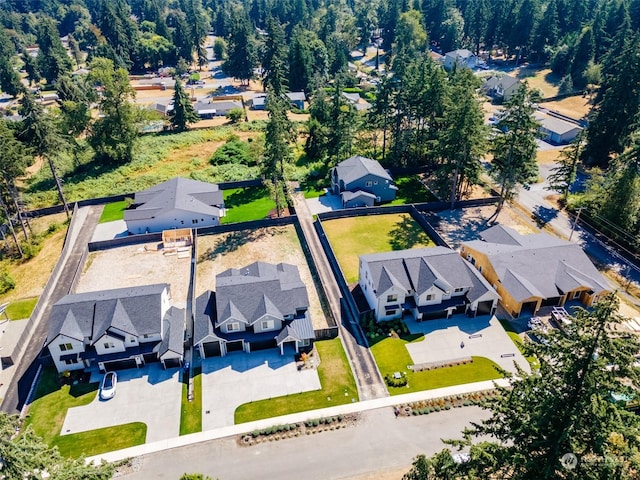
108,385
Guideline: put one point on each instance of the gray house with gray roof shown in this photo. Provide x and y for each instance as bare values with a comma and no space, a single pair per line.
176,203
115,329
425,283
256,307
534,271
361,182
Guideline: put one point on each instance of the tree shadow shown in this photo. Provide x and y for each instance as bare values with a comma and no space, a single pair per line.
543,215
458,226
230,243
406,234
244,196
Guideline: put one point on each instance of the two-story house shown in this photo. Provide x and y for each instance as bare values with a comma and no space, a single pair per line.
115,329
533,271
361,182
256,307
426,283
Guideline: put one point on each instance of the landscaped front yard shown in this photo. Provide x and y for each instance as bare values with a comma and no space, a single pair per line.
338,387
355,236
191,411
392,356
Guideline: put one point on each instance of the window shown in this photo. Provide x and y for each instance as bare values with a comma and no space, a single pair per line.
390,312
181,222
429,297
71,361
65,346
233,327
375,182
576,295
304,343
267,324
480,268
194,221
392,298
108,345
368,184
133,340
458,290
146,335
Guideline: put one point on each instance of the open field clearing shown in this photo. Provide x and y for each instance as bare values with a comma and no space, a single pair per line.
575,107
544,80
217,253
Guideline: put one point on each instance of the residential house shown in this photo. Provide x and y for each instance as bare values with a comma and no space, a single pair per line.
361,181
501,87
359,103
425,283
461,58
295,99
555,130
115,329
256,307
176,203
216,108
533,271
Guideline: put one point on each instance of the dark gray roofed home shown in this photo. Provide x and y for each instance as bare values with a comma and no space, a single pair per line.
256,307
362,182
120,328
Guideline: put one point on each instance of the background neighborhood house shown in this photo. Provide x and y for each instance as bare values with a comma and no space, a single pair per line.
115,329
359,103
253,308
296,99
462,58
361,181
425,283
533,271
176,203
556,130
213,108
501,87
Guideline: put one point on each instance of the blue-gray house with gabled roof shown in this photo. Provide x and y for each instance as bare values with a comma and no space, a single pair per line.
115,329
256,307
424,283
362,182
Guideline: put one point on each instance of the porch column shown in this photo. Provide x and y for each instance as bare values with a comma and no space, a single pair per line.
297,349
281,348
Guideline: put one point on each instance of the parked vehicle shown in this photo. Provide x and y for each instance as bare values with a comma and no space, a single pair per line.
108,385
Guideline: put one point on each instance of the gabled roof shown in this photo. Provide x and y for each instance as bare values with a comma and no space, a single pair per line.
556,125
134,310
356,167
421,269
258,289
203,317
537,265
461,53
173,335
348,195
177,194
504,81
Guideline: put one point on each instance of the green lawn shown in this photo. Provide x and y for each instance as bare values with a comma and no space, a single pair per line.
533,361
338,387
113,211
245,204
355,236
410,190
47,412
21,309
392,356
191,412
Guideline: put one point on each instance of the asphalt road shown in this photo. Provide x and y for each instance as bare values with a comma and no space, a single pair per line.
365,370
378,442
27,366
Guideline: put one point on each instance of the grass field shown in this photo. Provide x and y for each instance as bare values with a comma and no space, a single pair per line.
338,387
48,410
540,79
354,236
113,211
575,107
244,204
191,412
21,309
411,190
392,356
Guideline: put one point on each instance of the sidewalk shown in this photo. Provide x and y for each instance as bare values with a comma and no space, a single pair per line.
293,418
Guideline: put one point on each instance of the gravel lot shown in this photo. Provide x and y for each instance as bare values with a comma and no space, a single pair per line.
217,253
134,266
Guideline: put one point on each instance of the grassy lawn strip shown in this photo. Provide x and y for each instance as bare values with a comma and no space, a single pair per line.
95,442
21,309
245,204
355,236
113,211
392,356
191,412
515,338
48,410
336,380
410,190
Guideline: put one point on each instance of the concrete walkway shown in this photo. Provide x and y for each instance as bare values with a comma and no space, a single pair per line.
293,418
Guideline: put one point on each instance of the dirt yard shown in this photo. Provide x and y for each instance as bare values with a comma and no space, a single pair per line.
134,266
217,253
575,107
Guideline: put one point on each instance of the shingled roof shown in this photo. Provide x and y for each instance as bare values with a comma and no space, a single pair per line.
356,167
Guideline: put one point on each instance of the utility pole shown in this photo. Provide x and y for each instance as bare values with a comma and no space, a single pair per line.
575,222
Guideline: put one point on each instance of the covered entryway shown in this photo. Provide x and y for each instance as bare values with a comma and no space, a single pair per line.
484,308
551,302
529,308
263,345
172,362
235,346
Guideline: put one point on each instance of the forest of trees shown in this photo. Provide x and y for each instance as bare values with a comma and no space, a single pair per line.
422,116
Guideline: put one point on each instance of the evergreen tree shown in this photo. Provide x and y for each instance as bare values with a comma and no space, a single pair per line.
514,147
9,79
274,59
31,67
183,112
476,19
242,53
53,60
564,173
566,407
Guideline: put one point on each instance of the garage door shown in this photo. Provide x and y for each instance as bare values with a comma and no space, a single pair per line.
120,364
255,346
235,346
172,363
484,308
434,315
211,349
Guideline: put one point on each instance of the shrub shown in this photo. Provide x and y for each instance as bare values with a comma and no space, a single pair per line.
235,115
6,281
234,151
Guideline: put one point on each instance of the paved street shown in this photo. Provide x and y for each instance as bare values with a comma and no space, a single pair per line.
378,442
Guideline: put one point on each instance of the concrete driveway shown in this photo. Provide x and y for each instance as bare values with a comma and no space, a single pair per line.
149,394
325,203
238,378
481,337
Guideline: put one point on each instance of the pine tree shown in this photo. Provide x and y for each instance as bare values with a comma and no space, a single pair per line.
564,173
183,112
274,61
242,56
53,60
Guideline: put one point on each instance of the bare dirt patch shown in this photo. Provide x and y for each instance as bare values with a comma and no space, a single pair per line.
217,253
134,266
575,107
548,156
